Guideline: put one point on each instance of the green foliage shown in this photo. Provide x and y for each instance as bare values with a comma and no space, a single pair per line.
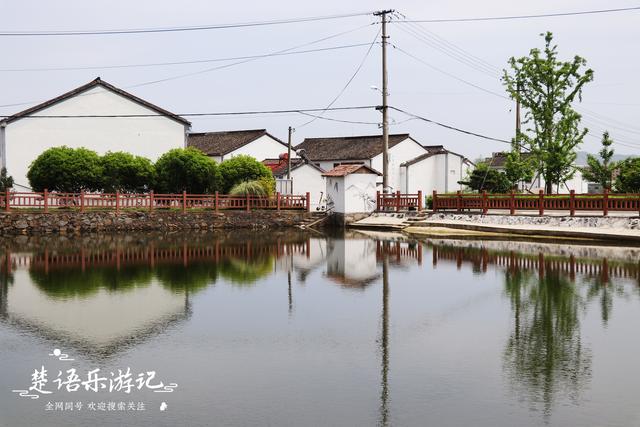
546,87
253,188
628,180
601,170
187,170
518,168
5,181
269,184
66,169
127,173
483,178
241,168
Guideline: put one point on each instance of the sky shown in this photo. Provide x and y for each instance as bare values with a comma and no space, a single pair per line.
609,42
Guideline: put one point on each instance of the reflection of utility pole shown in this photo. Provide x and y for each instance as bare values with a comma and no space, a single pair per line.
289,282
384,344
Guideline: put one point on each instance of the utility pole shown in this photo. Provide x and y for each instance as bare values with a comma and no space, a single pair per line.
384,107
289,154
518,116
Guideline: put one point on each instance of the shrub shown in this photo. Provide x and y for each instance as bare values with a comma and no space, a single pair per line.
241,168
125,172
5,181
253,188
628,180
487,179
187,170
66,169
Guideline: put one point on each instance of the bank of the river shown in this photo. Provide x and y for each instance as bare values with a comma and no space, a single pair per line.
67,222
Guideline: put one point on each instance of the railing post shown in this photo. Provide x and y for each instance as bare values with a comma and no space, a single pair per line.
512,203
572,202
397,201
216,202
278,200
541,202
117,201
184,201
459,201
378,200
419,200
434,201
605,202
81,200
485,208
308,202
46,200
151,200
248,202
7,200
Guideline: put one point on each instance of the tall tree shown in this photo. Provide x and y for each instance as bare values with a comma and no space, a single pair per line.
546,87
601,170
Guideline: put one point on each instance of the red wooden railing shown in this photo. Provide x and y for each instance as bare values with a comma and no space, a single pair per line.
540,202
116,201
398,202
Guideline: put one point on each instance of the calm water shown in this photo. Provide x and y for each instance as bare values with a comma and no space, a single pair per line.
304,329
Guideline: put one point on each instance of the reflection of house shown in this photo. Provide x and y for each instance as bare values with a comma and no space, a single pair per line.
306,177
438,169
220,146
23,136
352,262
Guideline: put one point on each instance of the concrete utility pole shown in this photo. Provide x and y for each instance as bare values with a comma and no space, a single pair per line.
289,154
384,107
518,117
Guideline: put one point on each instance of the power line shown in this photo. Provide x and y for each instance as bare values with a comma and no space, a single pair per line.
512,17
467,132
35,33
227,113
353,76
331,119
196,61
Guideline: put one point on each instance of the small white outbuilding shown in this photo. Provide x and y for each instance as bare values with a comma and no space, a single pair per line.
351,189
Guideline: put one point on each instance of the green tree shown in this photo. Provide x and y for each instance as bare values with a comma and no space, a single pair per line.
518,168
628,180
242,168
601,170
125,172
484,178
187,170
66,169
5,181
546,87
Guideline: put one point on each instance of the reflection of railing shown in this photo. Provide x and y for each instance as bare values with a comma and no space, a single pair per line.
398,201
571,266
539,202
117,201
150,255
398,251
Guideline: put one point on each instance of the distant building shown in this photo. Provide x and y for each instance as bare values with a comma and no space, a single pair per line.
220,146
107,122
438,169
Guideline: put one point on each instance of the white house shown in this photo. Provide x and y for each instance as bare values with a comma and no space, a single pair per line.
437,169
306,177
97,116
351,189
257,143
328,153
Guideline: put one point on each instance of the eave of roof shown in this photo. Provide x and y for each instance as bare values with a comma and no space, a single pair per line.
259,133
94,83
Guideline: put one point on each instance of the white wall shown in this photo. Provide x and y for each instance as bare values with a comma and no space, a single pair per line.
440,172
309,179
150,137
398,154
262,148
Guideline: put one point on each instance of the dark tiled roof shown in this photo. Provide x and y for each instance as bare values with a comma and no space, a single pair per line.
433,150
498,160
347,148
344,170
221,143
94,83
279,166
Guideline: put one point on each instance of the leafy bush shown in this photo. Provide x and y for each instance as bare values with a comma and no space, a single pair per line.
5,181
628,180
187,170
484,178
253,188
125,172
241,168
66,169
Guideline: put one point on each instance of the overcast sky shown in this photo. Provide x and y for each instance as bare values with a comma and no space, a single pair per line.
608,41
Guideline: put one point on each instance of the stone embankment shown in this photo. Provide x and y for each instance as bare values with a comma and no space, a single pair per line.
66,222
613,222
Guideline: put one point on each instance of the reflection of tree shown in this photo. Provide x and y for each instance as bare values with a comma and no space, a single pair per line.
192,277
64,283
246,271
544,355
